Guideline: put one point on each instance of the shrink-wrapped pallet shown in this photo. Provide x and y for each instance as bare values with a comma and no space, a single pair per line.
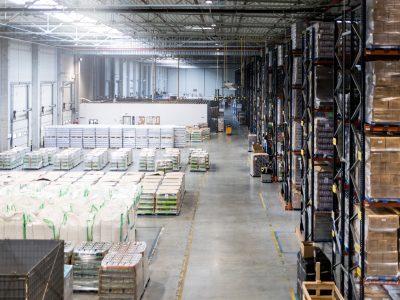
323,136
323,181
116,137
174,154
296,172
258,161
296,30
382,93
102,137
179,136
323,89
324,40
96,159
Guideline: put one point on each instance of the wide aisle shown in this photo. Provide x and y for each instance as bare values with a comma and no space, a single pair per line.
243,243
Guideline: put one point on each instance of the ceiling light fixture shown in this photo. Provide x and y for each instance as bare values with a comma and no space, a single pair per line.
213,25
208,2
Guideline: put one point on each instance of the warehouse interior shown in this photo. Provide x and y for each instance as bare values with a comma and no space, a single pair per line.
193,149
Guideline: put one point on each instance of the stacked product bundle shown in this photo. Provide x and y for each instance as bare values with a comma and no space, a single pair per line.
297,104
188,131
76,134
323,181
252,139
199,160
142,137
279,50
205,133
167,137
196,136
96,159
102,137
258,161
221,124
51,152
323,136
382,168
121,276
383,98
63,136
169,196
154,133
383,27
50,137
129,137
150,185
147,160
381,239
13,158
297,75
67,159
179,136
324,39
298,136
296,176
121,159
164,165
36,160
174,154
87,260
322,86
89,137
116,138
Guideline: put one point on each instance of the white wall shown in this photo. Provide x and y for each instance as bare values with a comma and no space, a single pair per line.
170,114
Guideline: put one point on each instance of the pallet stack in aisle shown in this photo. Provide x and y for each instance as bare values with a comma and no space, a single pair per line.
221,124
258,161
196,136
174,154
63,137
154,133
67,159
76,134
179,136
96,159
50,137
169,196
142,137
252,139
121,159
89,137
150,185
13,158
164,165
36,160
102,137
147,160
167,137
205,133
129,137
199,160
87,260
116,137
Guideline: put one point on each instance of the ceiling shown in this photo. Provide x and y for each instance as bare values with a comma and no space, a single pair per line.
156,27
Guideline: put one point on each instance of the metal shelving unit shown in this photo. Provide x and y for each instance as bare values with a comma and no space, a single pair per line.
351,56
310,158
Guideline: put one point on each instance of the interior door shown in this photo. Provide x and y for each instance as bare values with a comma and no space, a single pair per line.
47,106
67,102
20,115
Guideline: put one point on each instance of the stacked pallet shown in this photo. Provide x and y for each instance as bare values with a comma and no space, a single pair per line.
205,133
179,136
13,158
174,154
129,137
324,40
50,137
67,159
36,160
121,159
167,137
252,139
323,136
164,165
63,137
296,30
147,160
199,160
323,181
150,185
96,159
116,137
76,135
87,260
89,137
102,137
154,134
142,137
169,196
221,124
196,136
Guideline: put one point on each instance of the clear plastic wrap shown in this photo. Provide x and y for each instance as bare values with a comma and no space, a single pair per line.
383,25
382,92
323,87
296,30
323,181
324,40
323,136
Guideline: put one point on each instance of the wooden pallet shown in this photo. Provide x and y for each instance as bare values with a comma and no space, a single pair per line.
328,289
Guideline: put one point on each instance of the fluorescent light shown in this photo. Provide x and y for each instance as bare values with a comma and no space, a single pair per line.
213,25
208,2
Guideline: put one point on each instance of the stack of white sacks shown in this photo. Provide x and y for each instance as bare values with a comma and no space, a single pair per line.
121,159
96,159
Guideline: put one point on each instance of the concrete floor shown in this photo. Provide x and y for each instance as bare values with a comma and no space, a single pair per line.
232,240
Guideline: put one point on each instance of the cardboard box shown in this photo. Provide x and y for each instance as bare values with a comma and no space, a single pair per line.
382,257
381,269
307,249
257,148
381,219
374,292
381,241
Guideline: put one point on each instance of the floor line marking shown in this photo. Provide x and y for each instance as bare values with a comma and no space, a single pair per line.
262,201
276,242
188,249
292,294
279,241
